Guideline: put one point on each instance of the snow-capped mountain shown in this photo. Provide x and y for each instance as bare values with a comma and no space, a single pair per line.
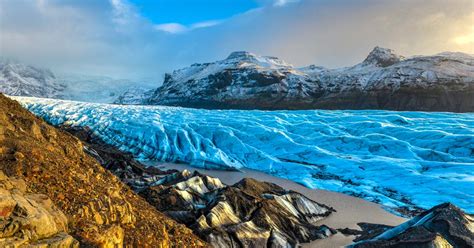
102,89
18,79
135,96
242,80
384,80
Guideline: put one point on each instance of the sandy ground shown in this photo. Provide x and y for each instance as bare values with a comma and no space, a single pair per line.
350,210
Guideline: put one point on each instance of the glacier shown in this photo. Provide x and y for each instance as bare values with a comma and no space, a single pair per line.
398,159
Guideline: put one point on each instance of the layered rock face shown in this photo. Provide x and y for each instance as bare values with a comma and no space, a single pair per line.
247,214
442,226
100,209
384,80
30,220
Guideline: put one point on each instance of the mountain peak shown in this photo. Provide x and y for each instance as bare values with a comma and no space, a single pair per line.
241,55
382,57
268,62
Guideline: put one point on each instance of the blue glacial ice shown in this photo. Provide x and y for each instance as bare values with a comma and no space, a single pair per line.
393,158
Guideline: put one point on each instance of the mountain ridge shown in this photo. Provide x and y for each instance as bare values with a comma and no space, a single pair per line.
20,79
384,80
26,80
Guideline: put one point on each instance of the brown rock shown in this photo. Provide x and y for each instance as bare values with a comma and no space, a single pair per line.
36,131
110,238
30,219
18,156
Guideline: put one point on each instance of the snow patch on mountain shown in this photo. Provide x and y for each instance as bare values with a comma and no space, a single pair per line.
18,79
382,57
400,159
241,76
135,96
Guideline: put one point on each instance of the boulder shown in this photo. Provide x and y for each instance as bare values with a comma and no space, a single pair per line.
29,219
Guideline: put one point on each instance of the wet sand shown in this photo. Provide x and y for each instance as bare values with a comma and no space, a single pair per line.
350,210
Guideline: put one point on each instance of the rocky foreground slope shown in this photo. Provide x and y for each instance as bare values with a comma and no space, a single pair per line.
384,80
52,192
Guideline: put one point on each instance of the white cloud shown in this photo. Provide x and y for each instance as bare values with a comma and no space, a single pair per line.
177,28
122,11
206,24
174,28
280,3
110,37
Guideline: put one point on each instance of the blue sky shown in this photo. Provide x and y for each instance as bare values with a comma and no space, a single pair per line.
188,12
144,38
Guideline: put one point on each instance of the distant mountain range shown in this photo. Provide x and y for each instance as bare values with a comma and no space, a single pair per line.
100,89
19,79
384,80
135,96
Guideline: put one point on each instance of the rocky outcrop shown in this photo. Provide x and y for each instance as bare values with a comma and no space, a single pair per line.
384,80
30,220
444,225
247,214
101,210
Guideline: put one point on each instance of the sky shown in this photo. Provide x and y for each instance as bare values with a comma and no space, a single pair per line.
145,39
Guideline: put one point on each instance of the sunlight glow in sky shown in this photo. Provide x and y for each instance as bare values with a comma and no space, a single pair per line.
466,39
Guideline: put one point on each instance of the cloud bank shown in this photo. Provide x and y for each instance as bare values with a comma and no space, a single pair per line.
112,37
